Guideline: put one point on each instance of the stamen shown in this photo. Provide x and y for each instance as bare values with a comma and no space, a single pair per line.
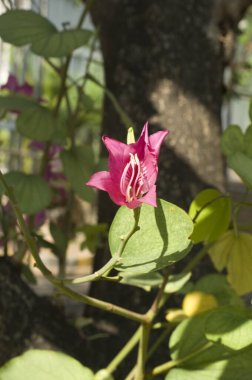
133,182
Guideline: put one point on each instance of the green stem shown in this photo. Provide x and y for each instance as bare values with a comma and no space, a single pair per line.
142,351
31,243
174,363
124,352
114,260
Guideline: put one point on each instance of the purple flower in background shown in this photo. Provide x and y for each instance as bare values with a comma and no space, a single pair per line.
39,145
133,170
13,85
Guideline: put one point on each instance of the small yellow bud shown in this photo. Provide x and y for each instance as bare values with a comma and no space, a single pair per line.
197,302
131,136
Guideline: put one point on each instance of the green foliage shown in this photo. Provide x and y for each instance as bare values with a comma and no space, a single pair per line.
217,285
146,281
238,149
93,234
242,165
78,165
16,102
31,191
177,282
37,123
21,27
232,140
211,212
44,365
161,240
190,337
234,252
237,368
60,239
230,326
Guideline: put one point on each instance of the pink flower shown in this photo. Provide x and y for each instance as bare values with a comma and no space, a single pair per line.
13,85
133,170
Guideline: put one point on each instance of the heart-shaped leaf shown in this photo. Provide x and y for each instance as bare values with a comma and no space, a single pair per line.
161,240
44,365
32,192
211,212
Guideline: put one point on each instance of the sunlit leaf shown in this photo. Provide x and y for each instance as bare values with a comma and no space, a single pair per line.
211,213
230,326
145,281
176,282
189,336
236,368
235,253
44,365
161,240
242,165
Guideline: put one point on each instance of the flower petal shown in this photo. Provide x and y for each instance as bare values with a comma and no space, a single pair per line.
100,180
150,198
156,140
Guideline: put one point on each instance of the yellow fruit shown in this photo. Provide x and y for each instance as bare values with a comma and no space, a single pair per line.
175,315
197,302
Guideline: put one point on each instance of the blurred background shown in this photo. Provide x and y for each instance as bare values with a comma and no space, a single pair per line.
183,66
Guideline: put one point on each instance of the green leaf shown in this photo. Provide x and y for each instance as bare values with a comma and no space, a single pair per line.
145,281
190,337
248,142
217,285
161,240
242,165
235,253
230,326
176,282
32,192
103,374
78,166
44,365
232,140
16,102
250,110
212,214
36,123
61,43
21,27
59,237
236,368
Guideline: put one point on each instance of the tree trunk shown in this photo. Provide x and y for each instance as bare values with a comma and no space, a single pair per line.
163,62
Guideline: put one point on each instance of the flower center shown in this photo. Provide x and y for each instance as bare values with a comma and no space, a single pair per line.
134,183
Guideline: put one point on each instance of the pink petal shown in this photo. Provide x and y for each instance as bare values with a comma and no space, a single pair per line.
156,140
100,180
151,197
103,181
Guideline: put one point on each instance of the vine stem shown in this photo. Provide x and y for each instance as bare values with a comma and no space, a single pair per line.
114,260
174,363
58,283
